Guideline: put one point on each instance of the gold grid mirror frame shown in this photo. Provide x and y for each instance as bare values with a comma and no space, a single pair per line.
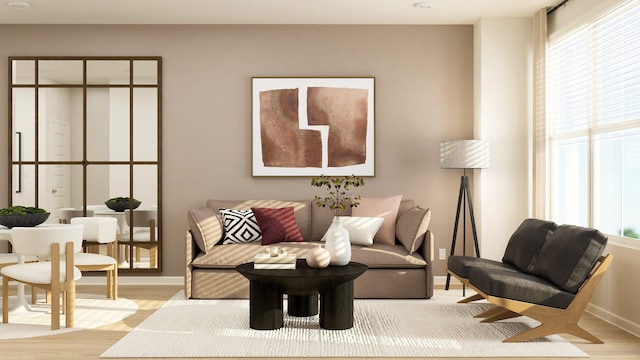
83,130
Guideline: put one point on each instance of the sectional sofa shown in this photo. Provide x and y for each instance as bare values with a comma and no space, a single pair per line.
400,269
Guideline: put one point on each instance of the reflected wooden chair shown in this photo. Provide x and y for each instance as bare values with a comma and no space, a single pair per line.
65,216
143,233
57,276
101,230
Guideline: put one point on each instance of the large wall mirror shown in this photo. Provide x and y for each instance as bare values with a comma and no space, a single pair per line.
84,130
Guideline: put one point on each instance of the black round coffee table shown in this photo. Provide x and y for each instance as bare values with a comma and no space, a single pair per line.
334,285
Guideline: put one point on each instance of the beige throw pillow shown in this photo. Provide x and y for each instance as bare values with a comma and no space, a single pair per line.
412,226
361,229
206,227
386,208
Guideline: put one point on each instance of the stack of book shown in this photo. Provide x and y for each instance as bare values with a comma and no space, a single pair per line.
281,261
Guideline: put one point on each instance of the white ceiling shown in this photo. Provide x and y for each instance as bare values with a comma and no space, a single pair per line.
264,11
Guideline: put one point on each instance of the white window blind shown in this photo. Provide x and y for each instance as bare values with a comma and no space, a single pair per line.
594,121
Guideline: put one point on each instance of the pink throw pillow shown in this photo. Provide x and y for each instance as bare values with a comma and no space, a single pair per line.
386,208
277,225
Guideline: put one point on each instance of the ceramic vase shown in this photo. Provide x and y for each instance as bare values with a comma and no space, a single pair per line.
318,258
338,243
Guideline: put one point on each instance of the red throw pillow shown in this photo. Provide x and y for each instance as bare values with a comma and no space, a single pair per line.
277,225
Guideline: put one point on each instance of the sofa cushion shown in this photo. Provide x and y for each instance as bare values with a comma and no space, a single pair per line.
519,286
240,226
321,218
206,227
568,256
277,225
302,209
381,207
374,256
461,265
525,243
232,255
361,230
412,226
379,256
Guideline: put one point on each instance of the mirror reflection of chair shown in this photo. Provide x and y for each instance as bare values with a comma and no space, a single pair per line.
66,214
143,225
57,276
102,230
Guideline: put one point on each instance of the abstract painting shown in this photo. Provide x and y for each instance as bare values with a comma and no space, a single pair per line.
313,126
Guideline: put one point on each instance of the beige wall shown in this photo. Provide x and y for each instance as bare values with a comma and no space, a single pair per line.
424,94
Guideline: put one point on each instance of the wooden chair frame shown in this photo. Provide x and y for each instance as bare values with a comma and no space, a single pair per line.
110,269
66,288
553,320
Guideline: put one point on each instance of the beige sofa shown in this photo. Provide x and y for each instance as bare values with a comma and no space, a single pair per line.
394,270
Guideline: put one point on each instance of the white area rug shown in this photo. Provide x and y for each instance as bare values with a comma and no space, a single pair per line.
92,311
383,328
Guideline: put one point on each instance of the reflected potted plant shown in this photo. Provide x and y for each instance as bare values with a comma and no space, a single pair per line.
338,200
23,216
121,203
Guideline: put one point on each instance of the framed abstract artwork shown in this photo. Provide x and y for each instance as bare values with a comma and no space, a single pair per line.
312,126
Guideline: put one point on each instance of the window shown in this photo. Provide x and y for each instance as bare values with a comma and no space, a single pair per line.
594,121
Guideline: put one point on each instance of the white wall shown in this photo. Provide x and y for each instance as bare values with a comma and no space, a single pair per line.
502,78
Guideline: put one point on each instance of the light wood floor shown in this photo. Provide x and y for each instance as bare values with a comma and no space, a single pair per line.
89,344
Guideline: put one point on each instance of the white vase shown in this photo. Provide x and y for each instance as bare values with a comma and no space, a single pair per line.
338,243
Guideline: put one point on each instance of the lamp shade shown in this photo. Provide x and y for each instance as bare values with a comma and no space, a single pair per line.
464,154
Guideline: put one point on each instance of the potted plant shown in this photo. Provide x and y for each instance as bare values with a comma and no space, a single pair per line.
23,216
337,199
121,203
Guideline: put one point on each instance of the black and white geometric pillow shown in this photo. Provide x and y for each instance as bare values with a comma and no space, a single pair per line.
240,226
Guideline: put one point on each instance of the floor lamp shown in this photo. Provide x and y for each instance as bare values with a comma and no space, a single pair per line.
464,154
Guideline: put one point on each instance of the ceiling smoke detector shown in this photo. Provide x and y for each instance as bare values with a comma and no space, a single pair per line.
18,4
423,5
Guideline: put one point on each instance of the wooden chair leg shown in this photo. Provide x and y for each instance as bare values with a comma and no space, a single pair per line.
503,315
114,282
34,295
55,308
153,256
5,300
70,304
471,298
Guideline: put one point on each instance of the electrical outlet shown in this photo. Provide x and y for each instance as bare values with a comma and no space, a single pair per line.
442,255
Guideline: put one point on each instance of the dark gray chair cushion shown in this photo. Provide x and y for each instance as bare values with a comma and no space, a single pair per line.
460,265
525,243
569,255
519,286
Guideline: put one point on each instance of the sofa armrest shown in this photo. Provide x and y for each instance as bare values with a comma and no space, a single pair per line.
191,252
427,247
427,252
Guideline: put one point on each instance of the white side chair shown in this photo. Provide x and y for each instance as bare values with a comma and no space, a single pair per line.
57,276
101,230
143,233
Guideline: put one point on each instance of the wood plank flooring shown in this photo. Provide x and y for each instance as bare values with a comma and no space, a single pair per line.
89,344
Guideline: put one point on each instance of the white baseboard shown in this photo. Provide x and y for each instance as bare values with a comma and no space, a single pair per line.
442,281
133,280
614,319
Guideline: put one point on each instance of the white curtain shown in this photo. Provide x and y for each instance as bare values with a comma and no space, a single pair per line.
540,145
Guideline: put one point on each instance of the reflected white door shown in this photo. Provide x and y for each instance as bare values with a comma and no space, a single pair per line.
57,176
